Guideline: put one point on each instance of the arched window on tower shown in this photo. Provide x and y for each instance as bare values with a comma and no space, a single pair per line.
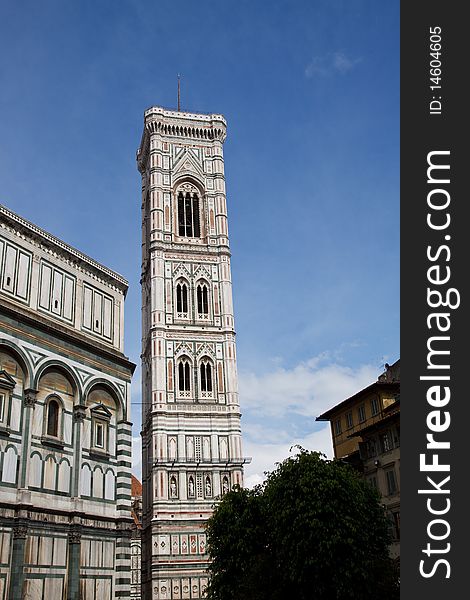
202,296
188,214
206,377
184,377
181,298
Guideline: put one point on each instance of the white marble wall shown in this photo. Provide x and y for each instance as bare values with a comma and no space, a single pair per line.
59,282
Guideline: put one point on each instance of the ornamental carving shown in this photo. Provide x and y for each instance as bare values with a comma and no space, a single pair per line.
29,398
75,536
79,413
20,532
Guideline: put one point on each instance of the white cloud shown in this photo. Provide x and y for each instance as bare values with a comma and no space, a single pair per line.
336,62
308,389
265,456
343,63
279,410
280,403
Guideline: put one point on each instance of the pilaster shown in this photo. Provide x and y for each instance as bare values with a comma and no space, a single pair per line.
20,533
73,565
29,401
79,413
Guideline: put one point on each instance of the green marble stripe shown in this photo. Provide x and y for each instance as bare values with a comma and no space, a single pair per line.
124,463
17,569
124,453
73,584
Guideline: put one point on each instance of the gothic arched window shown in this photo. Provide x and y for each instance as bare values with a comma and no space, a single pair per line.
188,214
53,411
184,376
202,299
206,376
181,297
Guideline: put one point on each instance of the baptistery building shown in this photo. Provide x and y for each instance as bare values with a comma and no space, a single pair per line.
65,431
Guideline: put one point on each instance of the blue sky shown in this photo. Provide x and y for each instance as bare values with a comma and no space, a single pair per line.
310,90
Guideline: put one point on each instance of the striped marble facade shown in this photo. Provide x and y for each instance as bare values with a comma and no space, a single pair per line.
191,436
65,431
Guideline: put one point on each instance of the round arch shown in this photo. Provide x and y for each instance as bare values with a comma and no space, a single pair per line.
22,359
113,390
52,363
193,179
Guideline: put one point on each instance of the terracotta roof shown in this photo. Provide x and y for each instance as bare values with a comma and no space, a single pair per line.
136,486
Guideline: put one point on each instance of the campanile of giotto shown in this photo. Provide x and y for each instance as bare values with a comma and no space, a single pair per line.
191,437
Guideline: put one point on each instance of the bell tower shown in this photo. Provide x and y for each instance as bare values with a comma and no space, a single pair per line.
191,437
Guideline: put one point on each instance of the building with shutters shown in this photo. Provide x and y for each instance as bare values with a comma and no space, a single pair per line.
366,433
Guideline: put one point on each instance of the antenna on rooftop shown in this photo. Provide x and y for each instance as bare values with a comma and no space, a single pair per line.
179,94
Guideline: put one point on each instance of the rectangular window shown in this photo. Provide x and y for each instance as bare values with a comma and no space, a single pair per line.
361,411
396,520
349,419
2,407
396,436
386,442
391,482
371,449
338,427
99,435
373,482
374,406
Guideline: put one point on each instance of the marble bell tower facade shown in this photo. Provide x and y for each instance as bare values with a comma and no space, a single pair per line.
191,437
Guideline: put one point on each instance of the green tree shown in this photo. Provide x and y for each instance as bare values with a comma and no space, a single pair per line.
314,529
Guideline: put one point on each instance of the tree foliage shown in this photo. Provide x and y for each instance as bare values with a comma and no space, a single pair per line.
314,529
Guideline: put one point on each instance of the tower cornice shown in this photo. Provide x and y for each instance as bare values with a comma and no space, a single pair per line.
179,124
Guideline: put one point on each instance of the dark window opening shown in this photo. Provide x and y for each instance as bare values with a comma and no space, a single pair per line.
386,442
182,298
53,418
361,413
188,215
206,377
396,521
99,435
374,406
183,376
391,482
202,300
